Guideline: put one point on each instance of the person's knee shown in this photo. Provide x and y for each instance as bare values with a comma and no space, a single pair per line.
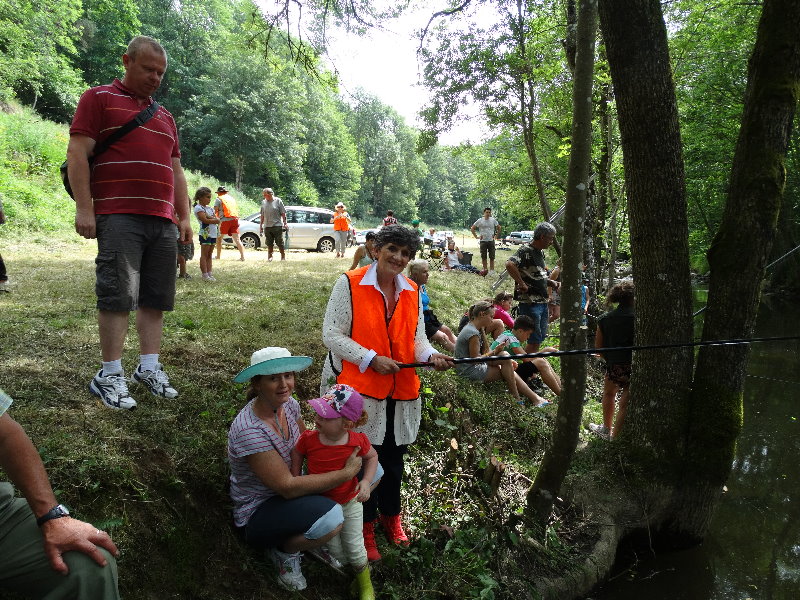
326,524
90,580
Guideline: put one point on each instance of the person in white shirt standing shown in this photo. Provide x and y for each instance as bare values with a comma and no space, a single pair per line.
487,231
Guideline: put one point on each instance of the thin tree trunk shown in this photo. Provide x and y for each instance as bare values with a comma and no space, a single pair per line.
737,257
565,435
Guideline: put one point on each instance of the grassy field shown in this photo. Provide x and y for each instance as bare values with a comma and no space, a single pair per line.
156,477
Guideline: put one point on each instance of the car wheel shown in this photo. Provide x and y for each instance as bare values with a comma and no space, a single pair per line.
326,244
250,241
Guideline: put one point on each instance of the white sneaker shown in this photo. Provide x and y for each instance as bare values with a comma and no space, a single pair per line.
112,390
156,382
289,574
4,286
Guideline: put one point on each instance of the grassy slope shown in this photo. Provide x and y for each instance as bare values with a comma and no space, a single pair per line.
156,477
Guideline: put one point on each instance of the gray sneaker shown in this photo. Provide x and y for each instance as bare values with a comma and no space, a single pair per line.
289,574
324,555
156,382
113,391
600,431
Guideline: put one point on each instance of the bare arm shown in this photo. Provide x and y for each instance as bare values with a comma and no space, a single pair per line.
360,252
270,468
181,201
79,150
20,460
204,218
472,229
598,338
297,463
513,271
370,461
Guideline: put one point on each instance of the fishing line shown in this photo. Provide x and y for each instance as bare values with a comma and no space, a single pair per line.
481,359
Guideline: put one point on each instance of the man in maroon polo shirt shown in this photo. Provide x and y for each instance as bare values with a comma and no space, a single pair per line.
130,199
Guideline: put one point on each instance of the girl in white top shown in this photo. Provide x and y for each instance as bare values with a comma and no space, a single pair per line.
209,230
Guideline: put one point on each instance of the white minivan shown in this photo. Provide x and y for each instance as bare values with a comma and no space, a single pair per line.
309,229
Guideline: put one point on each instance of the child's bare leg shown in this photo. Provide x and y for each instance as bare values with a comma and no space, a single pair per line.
528,392
609,398
511,378
621,410
449,333
496,329
548,375
442,339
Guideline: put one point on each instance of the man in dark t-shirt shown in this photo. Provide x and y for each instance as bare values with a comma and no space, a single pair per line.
527,268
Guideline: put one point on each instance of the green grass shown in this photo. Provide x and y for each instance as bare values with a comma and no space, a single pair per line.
156,477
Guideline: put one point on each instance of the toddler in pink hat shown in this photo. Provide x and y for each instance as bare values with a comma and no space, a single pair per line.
326,449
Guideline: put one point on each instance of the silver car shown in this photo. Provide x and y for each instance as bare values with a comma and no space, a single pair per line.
309,229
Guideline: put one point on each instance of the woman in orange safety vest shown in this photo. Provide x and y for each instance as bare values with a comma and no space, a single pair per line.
365,353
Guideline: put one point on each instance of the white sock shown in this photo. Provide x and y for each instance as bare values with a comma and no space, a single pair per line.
112,367
149,362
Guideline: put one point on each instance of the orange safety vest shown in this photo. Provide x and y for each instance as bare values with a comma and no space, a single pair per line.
341,222
229,208
388,337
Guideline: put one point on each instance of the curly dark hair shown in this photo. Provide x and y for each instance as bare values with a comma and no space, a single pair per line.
397,234
623,293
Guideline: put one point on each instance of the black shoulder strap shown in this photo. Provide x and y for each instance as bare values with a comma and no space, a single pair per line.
140,119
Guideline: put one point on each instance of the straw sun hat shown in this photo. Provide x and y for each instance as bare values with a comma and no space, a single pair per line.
272,360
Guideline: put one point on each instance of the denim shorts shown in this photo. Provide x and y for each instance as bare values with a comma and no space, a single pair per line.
540,315
136,257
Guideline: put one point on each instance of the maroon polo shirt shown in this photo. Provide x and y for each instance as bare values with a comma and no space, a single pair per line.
134,176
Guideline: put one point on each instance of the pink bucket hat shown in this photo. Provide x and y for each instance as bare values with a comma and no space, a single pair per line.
339,401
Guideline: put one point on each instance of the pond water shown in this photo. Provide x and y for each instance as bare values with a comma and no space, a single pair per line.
753,548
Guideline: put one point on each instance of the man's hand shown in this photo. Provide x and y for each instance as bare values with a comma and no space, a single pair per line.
185,229
522,286
85,222
67,534
383,365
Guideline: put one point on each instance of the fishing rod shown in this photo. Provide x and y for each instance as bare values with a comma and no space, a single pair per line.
481,359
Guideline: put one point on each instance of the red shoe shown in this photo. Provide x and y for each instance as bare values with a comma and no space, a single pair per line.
394,530
369,542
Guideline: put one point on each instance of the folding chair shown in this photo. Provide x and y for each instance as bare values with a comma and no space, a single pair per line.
435,259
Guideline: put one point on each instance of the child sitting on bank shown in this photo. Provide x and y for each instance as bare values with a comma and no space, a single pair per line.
515,339
209,230
327,449
473,343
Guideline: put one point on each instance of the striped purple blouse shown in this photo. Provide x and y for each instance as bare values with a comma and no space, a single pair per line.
250,435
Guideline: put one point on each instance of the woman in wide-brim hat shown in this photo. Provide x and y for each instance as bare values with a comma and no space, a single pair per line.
278,512
341,228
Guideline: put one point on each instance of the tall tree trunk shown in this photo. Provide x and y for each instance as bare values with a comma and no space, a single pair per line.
738,255
527,95
565,435
636,45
